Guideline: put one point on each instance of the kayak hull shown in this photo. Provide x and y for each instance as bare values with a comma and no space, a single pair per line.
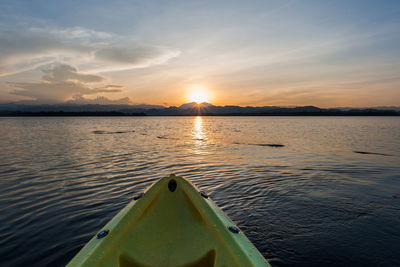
171,224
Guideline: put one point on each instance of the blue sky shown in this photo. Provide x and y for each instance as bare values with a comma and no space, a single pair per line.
323,53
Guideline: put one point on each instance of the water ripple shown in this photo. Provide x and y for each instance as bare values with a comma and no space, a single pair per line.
302,203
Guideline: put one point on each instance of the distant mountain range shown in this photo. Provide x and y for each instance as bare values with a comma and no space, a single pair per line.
188,109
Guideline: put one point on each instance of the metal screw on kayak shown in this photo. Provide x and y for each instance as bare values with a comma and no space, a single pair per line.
172,185
233,229
102,234
138,196
203,194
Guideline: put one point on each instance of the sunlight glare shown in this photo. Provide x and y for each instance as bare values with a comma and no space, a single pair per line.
199,94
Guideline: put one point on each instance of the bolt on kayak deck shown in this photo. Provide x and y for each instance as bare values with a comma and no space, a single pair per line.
171,224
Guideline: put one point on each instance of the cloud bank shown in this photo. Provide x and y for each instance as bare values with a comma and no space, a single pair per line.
28,48
55,52
100,100
62,82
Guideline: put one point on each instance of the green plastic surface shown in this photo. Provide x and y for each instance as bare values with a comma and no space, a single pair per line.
164,228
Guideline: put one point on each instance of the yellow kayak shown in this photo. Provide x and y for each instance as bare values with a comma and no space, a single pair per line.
171,224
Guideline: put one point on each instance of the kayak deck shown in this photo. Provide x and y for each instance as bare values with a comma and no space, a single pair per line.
171,224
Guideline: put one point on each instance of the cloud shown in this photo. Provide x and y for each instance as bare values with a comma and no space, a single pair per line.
124,57
62,82
110,88
55,52
100,100
28,48
63,72
25,49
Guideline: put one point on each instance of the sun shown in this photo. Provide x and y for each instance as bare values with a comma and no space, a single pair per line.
198,94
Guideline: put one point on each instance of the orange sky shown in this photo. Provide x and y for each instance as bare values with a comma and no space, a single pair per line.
260,53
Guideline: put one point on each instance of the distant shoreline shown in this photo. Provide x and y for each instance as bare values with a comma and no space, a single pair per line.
379,113
188,109
68,114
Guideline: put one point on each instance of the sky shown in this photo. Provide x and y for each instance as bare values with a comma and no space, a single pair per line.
329,53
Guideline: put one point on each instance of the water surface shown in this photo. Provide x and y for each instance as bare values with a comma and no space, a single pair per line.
307,191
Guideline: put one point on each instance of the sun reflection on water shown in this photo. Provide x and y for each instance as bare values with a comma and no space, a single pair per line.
198,133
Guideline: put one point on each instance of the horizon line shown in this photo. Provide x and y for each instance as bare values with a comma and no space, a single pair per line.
26,103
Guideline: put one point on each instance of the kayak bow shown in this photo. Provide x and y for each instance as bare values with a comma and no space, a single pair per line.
171,224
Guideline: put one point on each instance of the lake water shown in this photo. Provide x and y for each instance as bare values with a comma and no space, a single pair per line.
312,202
